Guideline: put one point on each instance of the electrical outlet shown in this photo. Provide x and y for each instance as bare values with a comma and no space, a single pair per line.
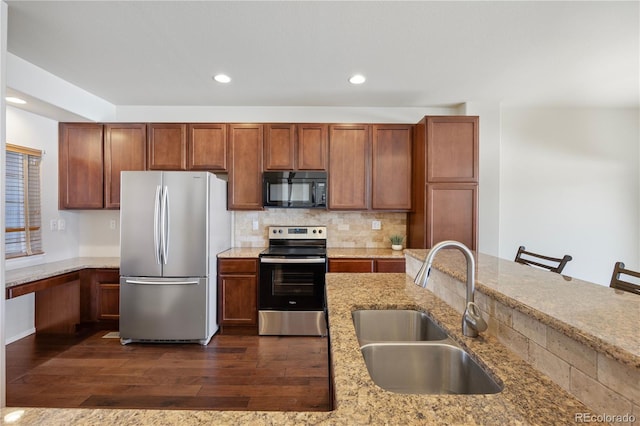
62,225
255,225
53,224
376,224
112,224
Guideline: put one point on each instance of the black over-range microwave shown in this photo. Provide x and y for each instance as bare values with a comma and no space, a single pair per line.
294,189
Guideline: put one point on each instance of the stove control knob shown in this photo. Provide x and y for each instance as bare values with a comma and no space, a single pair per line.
320,231
275,231
279,231
314,231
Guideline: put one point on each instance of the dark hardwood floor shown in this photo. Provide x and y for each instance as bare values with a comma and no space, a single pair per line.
231,373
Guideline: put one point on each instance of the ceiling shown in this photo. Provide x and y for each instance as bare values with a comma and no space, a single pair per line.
301,53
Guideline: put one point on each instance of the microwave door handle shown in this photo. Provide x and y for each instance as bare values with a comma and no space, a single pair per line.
313,193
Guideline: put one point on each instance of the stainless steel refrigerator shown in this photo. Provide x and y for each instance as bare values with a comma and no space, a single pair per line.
172,226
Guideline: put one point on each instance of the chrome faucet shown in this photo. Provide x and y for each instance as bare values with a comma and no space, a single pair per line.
472,322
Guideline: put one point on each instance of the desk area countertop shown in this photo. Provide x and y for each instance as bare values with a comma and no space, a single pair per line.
28,274
528,396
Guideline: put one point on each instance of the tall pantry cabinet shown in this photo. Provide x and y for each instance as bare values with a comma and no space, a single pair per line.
445,175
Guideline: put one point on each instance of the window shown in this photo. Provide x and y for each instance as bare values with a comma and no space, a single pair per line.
23,234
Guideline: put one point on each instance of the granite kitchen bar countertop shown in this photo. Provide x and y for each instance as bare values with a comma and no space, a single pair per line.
603,318
528,396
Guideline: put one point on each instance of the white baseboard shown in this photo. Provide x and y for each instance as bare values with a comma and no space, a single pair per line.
19,336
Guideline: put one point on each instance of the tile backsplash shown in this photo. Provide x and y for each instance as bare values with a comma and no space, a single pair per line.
344,229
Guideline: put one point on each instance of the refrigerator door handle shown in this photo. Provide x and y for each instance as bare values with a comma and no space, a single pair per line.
164,213
161,282
156,225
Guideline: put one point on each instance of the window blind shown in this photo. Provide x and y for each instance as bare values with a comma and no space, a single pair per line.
23,235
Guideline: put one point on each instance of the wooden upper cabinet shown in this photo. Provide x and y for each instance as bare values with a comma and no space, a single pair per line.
312,146
80,166
452,149
245,167
295,147
445,177
280,147
349,154
167,147
124,149
207,147
452,213
391,167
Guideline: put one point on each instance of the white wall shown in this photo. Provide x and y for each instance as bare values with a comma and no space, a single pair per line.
34,131
489,188
570,184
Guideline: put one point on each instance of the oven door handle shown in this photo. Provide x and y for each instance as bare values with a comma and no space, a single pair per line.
292,260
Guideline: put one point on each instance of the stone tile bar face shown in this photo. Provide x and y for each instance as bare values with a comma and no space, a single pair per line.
583,336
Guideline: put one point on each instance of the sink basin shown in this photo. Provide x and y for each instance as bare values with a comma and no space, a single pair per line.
426,368
388,325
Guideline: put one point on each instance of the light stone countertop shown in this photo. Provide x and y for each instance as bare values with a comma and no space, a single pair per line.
28,274
242,252
379,253
528,397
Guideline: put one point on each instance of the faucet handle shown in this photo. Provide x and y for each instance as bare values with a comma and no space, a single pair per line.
473,317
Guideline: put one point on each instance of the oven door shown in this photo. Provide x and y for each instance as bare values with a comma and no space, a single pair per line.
293,284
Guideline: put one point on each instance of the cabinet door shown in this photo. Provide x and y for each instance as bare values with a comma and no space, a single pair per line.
109,301
124,149
167,147
238,299
99,294
349,153
312,146
351,265
245,167
391,167
80,166
207,147
452,149
279,147
452,213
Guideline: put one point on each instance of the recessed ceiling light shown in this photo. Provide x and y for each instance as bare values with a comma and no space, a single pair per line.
15,100
222,78
357,79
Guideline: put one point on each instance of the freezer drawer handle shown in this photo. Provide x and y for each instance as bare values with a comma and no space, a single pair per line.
161,282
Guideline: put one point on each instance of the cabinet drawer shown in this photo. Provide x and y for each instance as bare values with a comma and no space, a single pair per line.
230,266
350,265
390,265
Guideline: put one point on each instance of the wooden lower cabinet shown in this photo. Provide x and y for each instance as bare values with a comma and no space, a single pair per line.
57,308
238,296
100,296
366,265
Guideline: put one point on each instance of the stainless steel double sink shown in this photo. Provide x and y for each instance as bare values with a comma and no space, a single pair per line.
407,352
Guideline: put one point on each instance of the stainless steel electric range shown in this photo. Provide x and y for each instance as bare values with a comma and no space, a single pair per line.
291,291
